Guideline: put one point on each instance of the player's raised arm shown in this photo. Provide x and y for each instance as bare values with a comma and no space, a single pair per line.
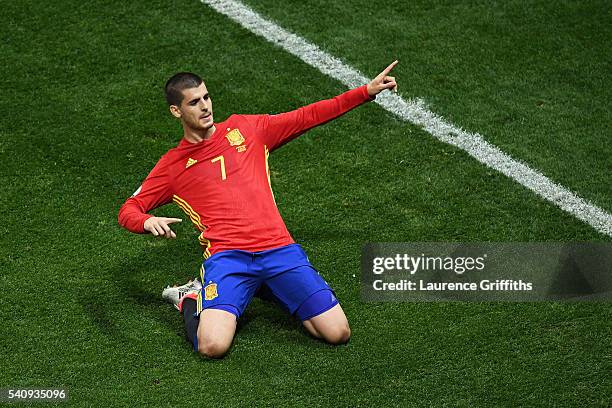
277,130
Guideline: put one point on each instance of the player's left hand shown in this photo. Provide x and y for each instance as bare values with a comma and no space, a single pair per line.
383,81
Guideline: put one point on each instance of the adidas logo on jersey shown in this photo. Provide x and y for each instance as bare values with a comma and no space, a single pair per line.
190,162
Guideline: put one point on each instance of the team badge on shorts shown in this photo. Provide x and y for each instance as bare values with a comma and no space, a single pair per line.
210,291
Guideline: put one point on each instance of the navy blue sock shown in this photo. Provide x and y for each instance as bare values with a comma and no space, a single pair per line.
191,320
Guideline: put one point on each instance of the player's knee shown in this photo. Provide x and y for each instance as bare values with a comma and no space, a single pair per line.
212,348
340,334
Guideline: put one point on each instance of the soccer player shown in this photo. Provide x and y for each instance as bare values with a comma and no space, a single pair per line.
218,175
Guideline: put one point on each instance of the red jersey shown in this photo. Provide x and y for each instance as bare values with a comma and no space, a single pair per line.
223,183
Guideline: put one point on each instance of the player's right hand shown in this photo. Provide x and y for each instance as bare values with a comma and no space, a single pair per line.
158,226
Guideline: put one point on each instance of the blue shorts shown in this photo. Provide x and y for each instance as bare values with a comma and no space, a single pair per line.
231,278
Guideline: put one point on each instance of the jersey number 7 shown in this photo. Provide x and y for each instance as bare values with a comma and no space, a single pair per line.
222,161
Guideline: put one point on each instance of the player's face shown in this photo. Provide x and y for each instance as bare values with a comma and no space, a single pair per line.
196,108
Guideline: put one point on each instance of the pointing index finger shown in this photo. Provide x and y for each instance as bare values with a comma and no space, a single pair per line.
390,67
173,220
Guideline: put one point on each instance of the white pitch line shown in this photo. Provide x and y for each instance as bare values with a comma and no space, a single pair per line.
414,111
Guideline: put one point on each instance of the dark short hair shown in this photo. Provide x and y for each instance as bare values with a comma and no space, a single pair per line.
175,86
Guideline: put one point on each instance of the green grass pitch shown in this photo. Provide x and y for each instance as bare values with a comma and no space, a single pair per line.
84,120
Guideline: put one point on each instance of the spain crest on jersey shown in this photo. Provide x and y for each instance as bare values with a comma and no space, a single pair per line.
210,291
235,138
